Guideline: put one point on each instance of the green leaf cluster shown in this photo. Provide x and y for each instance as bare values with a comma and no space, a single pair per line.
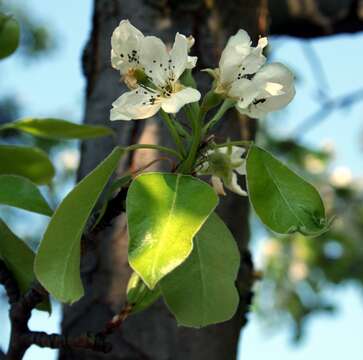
22,168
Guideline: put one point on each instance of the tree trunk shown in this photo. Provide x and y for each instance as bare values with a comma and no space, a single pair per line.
154,334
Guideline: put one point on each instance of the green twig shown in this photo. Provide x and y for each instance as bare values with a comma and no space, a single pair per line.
194,118
173,131
227,104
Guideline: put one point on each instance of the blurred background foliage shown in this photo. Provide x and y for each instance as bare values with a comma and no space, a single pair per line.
37,41
297,271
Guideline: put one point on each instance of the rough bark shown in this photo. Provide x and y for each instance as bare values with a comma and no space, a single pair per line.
153,334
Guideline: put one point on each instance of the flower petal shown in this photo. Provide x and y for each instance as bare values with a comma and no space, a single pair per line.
192,62
275,84
177,100
179,55
274,73
135,105
237,49
253,62
245,91
125,42
191,42
234,187
154,58
237,153
242,168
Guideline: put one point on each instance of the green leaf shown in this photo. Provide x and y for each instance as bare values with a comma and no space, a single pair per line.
58,129
57,263
164,213
9,35
202,290
28,162
118,183
19,259
22,193
139,295
284,202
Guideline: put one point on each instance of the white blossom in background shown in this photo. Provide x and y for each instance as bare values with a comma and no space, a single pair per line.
314,164
272,248
223,164
298,271
125,53
163,69
341,177
69,159
243,76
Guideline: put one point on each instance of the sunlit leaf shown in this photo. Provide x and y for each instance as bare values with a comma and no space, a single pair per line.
164,213
283,201
28,162
19,259
9,35
58,129
202,290
20,192
57,264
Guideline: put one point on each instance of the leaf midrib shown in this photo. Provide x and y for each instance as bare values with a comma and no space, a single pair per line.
277,185
165,229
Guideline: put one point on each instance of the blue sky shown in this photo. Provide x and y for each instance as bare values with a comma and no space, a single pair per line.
54,87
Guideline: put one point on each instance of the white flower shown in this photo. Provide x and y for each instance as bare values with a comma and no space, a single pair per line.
163,69
271,89
243,76
125,54
238,61
239,58
223,163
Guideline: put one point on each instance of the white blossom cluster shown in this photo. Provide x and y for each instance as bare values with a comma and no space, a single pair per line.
242,75
152,73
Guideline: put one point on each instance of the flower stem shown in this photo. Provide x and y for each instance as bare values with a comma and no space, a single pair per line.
227,104
156,147
194,118
173,131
